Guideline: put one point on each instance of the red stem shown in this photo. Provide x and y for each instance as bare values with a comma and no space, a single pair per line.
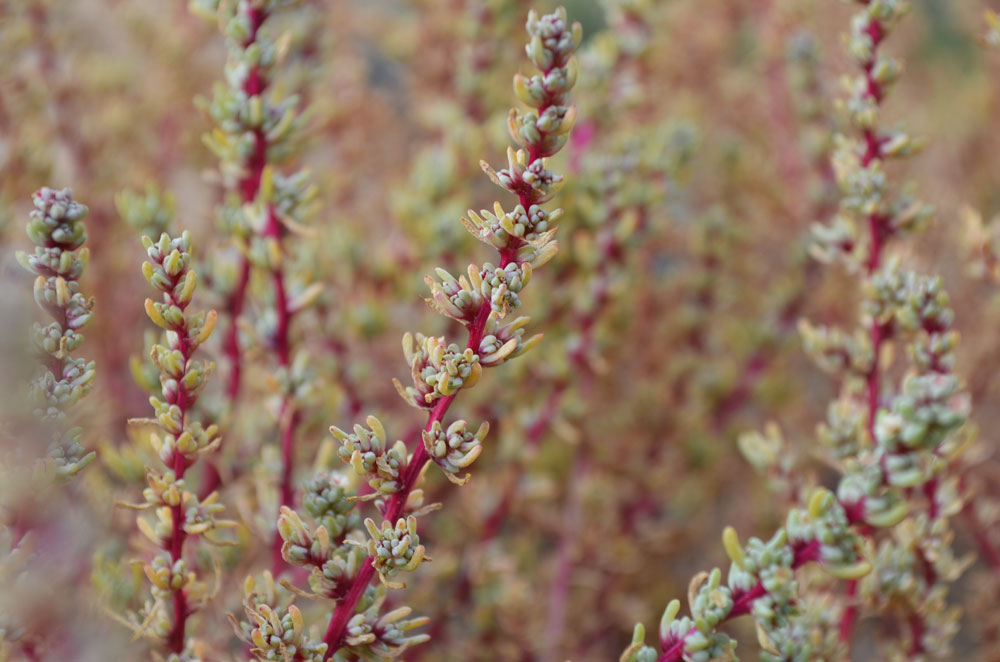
397,503
878,230
288,416
673,649
175,639
231,344
850,613
249,185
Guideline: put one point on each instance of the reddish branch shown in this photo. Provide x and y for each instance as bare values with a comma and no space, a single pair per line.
397,503
673,647
288,415
249,188
878,229
183,400
396,506
249,185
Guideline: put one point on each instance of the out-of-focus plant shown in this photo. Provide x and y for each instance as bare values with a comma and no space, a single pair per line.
49,450
57,229
992,28
258,127
885,529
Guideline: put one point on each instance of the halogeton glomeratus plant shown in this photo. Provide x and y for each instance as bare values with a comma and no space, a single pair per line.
266,490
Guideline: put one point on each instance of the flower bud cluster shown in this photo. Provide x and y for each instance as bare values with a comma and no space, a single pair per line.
825,522
333,563
385,636
274,632
712,603
867,200
844,433
150,213
302,547
394,548
528,229
57,230
457,298
500,286
257,126
762,582
438,370
327,499
835,351
502,342
454,448
550,49
914,568
243,108
503,229
369,453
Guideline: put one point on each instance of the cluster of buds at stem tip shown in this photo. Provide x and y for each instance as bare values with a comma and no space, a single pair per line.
524,236
439,370
858,161
244,108
57,230
394,548
181,377
369,453
385,635
333,562
275,632
454,448
257,125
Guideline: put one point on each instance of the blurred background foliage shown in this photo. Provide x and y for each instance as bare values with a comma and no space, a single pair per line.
697,166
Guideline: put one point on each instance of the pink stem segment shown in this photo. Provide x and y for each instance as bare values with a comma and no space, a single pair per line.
877,332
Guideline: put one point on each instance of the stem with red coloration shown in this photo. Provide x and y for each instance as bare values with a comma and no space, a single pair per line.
179,391
249,185
175,640
877,332
673,651
528,196
253,168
